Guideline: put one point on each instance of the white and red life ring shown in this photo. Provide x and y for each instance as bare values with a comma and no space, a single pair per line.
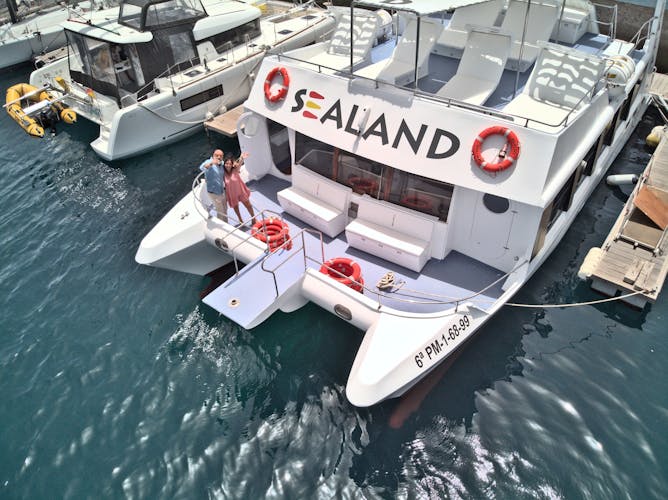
508,158
282,90
345,271
274,232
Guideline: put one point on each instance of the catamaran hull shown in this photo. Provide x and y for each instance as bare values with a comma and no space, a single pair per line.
178,242
167,115
23,49
159,121
36,35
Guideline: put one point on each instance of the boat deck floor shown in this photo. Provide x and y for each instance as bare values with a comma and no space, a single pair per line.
435,288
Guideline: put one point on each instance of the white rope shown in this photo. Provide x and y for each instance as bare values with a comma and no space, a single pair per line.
575,304
182,122
387,282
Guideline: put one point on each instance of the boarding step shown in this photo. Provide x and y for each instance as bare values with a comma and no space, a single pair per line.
618,48
251,296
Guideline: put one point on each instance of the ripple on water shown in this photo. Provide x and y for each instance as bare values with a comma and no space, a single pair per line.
117,382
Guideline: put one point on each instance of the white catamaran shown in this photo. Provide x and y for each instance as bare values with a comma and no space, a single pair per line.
412,187
31,31
152,71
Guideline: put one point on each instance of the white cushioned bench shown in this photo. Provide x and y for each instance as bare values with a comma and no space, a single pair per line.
316,200
392,233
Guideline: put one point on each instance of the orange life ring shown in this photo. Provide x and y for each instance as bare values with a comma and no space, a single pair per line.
417,202
345,271
283,90
363,185
274,232
508,158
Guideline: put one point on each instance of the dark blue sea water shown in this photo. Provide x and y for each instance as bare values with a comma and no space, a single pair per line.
117,382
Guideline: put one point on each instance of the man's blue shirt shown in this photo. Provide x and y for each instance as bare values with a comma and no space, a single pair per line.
213,177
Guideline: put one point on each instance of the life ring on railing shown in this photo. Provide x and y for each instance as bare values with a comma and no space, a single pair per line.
274,232
283,90
417,202
508,158
362,185
345,271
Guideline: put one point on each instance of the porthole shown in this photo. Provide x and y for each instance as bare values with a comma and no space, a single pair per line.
343,312
496,204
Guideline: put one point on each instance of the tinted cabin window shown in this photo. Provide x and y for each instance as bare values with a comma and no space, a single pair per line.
375,179
230,38
280,146
91,64
148,15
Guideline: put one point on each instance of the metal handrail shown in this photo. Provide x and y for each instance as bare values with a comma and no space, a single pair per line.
199,206
294,252
449,101
612,25
637,38
226,49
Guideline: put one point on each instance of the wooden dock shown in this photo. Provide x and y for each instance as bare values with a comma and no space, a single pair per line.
659,85
633,257
225,123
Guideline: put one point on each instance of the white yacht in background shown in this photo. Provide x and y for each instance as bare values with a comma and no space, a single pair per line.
30,32
433,173
152,72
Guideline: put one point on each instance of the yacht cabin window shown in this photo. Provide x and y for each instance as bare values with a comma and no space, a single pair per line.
91,64
237,36
182,47
280,146
108,68
101,66
151,14
375,179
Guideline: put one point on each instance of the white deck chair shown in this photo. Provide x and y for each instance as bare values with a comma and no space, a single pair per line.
335,53
543,16
452,41
481,66
399,68
563,80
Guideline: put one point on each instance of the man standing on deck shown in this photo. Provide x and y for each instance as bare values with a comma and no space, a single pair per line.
213,174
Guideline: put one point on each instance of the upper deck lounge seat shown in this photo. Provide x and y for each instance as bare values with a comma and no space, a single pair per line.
542,17
399,68
562,81
452,41
480,68
335,53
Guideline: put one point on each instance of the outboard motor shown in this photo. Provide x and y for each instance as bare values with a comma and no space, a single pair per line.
48,118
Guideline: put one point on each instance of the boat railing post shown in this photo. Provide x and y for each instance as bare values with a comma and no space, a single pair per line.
519,59
561,16
171,81
417,49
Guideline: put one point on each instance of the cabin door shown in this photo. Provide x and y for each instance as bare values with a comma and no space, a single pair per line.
492,223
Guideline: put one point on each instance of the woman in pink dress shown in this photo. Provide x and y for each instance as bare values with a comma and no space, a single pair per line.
236,188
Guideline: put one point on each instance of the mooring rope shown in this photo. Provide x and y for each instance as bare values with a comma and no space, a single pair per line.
577,304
